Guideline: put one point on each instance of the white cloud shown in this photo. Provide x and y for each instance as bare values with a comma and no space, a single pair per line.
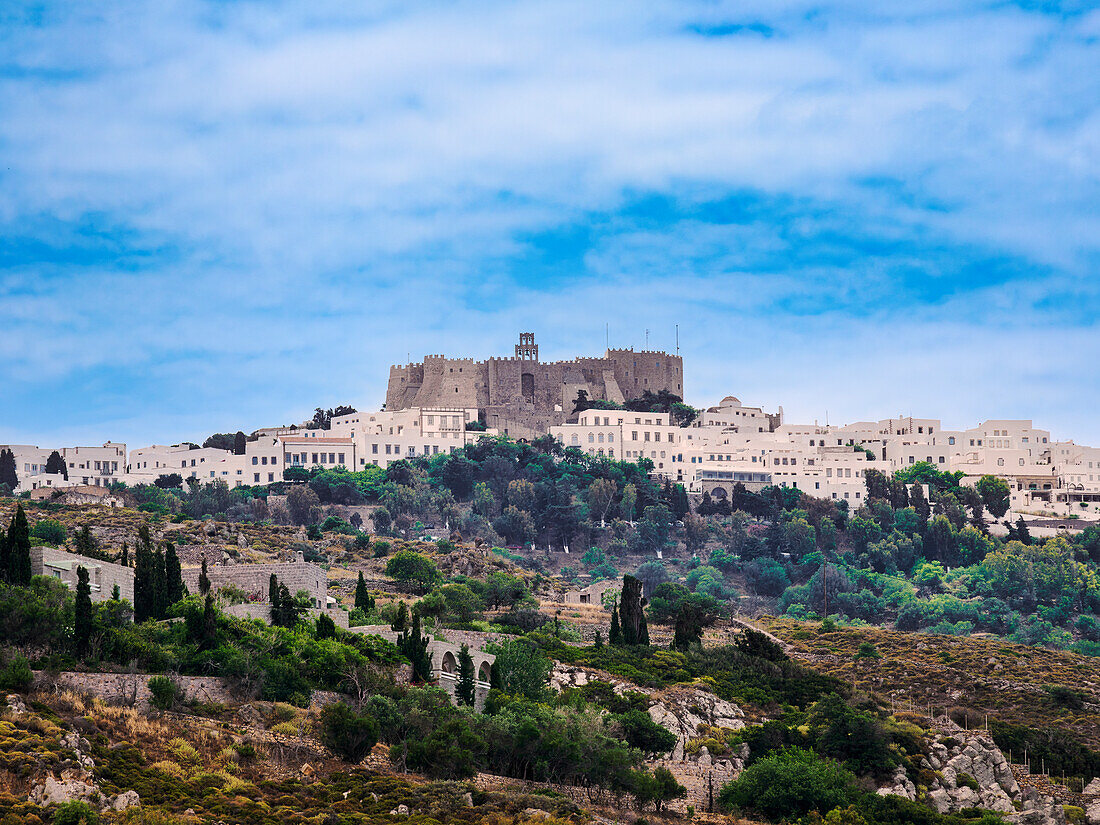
338,189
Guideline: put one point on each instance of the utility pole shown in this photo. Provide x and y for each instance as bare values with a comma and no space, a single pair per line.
677,339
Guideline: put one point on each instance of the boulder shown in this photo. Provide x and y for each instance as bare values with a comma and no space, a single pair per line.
16,704
126,799
1092,813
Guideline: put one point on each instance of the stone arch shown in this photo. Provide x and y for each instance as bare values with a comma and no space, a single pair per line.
449,664
527,386
485,672
719,493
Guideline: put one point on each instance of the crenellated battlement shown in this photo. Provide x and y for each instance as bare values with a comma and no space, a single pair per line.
523,396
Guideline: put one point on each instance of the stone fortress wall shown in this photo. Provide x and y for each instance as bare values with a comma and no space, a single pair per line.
255,578
524,397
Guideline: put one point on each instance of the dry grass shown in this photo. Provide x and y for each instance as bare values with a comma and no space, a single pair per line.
988,676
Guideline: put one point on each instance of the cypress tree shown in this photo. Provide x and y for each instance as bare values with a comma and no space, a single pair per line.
116,594
7,470
5,559
615,634
273,598
464,689
160,586
173,575
125,560
55,465
631,618
19,549
82,614
209,624
288,608
362,596
643,627
415,647
402,619
204,580
144,582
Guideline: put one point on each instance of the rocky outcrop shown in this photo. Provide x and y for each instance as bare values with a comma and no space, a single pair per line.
684,711
76,784
973,773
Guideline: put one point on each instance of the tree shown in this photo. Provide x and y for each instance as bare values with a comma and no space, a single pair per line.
401,618
55,465
766,577
125,560
19,549
615,633
995,494
659,787
169,481
413,568
204,579
631,616
50,531
240,443
464,689
787,784
629,502
82,613
363,600
173,576
144,578
651,574
347,733
8,475
522,669
273,597
414,646
458,474
160,586
303,505
601,493
325,627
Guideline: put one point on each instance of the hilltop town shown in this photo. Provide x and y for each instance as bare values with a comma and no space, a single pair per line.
554,592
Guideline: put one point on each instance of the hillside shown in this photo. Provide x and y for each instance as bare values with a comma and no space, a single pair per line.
655,699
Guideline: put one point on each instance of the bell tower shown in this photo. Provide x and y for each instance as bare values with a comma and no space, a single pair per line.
527,349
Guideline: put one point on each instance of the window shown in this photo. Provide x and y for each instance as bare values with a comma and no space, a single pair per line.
315,461
256,478
374,449
255,460
263,460
341,458
951,440
270,477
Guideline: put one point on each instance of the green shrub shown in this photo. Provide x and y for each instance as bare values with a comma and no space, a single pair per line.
75,813
50,531
164,693
789,784
350,734
16,675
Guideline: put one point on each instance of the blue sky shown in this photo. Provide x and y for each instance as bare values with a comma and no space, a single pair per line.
218,215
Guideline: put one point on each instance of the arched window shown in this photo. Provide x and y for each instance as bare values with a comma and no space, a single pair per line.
575,440
600,438
591,438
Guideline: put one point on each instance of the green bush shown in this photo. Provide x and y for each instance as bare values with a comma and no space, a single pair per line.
50,531
789,784
164,692
347,733
75,813
16,675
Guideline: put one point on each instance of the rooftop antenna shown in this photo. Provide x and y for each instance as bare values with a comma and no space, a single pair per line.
607,335
677,339
647,339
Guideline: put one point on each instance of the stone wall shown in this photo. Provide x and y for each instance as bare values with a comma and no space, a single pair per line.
523,396
255,578
121,687
102,575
